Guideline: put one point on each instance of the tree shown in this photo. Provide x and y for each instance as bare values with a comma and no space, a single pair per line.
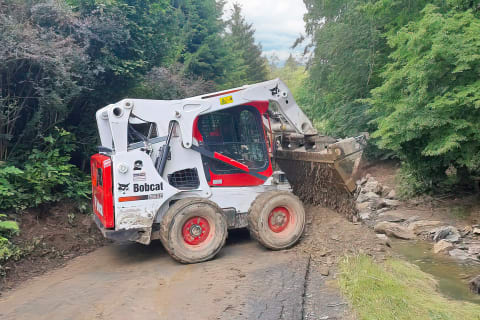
41,67
350,52
241,39
428,107
205,53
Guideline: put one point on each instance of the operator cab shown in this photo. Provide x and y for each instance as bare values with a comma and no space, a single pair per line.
237,133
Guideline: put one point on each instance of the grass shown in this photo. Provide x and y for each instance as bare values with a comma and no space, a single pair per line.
397,290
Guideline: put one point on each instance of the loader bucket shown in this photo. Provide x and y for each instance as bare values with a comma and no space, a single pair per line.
325,177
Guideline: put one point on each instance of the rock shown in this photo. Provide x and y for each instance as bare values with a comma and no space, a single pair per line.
384,239
466,230
385,191
379,204
369,196
442,245
390,218
362,181
474,250
412,219
474,285
476,231
380,211
399,215
372,185
363,206
449,233
394,230
392,203
391,195
324,271
458,254
423,225
365,214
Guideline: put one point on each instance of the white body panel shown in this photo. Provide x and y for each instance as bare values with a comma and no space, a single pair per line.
128,180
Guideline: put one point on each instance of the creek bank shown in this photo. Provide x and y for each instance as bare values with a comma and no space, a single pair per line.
379,208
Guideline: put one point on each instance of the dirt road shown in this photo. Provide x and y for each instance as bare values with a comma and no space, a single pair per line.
245,281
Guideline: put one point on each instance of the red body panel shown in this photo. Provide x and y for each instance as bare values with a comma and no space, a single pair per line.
237,179
102,196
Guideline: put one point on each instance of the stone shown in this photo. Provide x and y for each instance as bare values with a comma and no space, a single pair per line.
467,229
384,239
474,284
442,245
392,203
385,191
383,210
394,230
391,195
400,215
363,206
365,214
390,218
474,250
369,196
412,219
476,231
378,203
372,185
458,254
362,181
448,233
423,225
324,271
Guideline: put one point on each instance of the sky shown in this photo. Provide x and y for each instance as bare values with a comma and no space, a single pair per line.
277,23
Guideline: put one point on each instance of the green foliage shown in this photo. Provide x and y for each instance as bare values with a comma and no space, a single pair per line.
9,180
171,83
8,228
46,176
427,109
242,42
350,53
292,73
60,61
348,47
406,71
40,62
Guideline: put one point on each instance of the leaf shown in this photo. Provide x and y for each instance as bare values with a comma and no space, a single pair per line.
9,227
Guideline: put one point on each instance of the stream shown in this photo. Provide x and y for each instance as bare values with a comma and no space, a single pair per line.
452,275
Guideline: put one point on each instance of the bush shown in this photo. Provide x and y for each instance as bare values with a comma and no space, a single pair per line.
46,176
7,249
428,108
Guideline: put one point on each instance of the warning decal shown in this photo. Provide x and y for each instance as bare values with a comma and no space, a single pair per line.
226,100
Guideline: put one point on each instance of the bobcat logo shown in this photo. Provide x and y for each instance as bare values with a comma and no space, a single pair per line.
123,187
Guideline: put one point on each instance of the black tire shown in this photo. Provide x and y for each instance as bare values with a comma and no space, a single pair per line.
263,220
183,218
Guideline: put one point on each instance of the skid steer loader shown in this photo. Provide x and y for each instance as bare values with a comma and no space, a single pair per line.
185,171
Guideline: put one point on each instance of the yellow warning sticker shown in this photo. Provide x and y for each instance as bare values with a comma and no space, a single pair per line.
226,100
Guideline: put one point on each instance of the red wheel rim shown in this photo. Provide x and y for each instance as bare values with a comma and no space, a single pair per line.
195,230
278,219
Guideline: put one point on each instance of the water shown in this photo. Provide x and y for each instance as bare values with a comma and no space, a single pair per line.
452,276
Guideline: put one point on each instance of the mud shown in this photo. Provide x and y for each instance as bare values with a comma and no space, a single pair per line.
319,184
245,281
50,237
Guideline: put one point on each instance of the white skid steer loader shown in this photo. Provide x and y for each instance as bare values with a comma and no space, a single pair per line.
185,171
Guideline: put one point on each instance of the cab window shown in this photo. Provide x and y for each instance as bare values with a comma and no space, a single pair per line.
236,133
